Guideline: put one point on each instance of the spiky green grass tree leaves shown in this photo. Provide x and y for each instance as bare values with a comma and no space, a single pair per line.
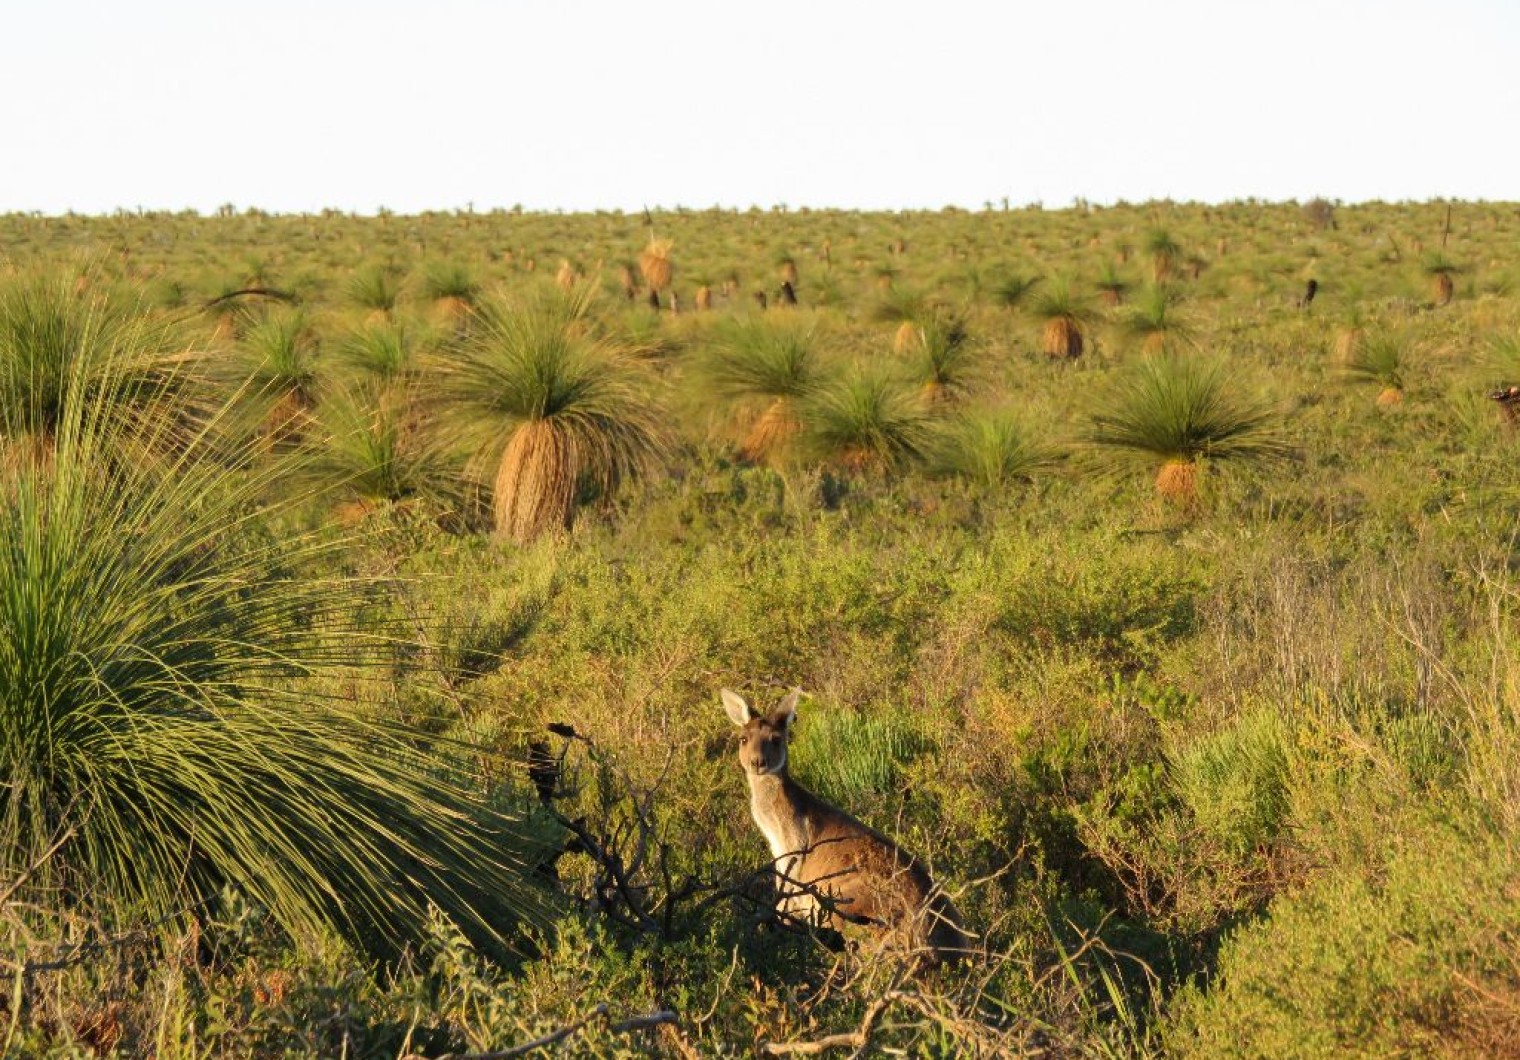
274,374
370,450
1012,290
66,336
1381,357
159,715
866,421
767,370
383,351
545,407
990,449
1156,321
1173,414
945,363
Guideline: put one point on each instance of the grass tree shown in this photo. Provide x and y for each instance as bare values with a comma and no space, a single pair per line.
368,450
96,348
656,267
1442,272
1155,322
1112,284
376,288
944,362
546,408
990,449
768,370
1380,357
165,736
1177,413
905,308
1165,252
867,421
382,351
451,288
1013,289
275,373
1064,314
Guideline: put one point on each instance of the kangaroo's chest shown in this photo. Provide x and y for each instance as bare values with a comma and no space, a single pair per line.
785,833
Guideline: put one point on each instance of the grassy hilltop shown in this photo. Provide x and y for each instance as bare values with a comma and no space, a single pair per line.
367,585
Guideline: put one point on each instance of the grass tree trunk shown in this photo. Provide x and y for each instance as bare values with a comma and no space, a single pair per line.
772,432
1063,338
534,491
1445,288
1177,482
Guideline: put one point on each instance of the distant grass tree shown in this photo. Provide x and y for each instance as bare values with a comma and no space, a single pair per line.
376,288
945,363
369,450
544,407
1165,253
95,346
1156,322
1112,285
1176,413
866,421
1381,357
451,288
383,351
275,373
1442,272
991,450
768,370
1064,314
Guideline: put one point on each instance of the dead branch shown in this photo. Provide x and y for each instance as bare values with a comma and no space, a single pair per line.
628,1026
26,873
859,1039
251,292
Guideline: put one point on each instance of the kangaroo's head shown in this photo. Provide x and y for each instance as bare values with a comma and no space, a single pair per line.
762,737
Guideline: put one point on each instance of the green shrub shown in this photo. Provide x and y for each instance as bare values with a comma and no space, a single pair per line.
1235,782
1413,957
855,757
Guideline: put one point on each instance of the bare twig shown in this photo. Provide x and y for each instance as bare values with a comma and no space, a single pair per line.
636,1023
26,873
259,292
859,1039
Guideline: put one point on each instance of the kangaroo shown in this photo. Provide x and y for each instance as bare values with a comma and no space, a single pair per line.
819,850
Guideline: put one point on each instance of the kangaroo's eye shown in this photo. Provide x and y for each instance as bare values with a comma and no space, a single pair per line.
743,740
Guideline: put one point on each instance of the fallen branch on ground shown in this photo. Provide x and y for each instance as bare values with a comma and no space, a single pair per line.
627,1026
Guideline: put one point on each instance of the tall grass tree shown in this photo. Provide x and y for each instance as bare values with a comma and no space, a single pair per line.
544,407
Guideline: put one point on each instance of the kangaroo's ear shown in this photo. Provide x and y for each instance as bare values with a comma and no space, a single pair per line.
786,711
734,706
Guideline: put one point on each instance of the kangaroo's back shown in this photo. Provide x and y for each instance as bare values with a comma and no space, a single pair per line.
835,869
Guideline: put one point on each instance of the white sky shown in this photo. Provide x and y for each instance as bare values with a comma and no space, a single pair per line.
293,106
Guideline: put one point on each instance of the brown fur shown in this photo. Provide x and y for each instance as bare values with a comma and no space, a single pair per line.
863,877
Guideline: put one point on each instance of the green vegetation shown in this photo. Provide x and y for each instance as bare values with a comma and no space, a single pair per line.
361,635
